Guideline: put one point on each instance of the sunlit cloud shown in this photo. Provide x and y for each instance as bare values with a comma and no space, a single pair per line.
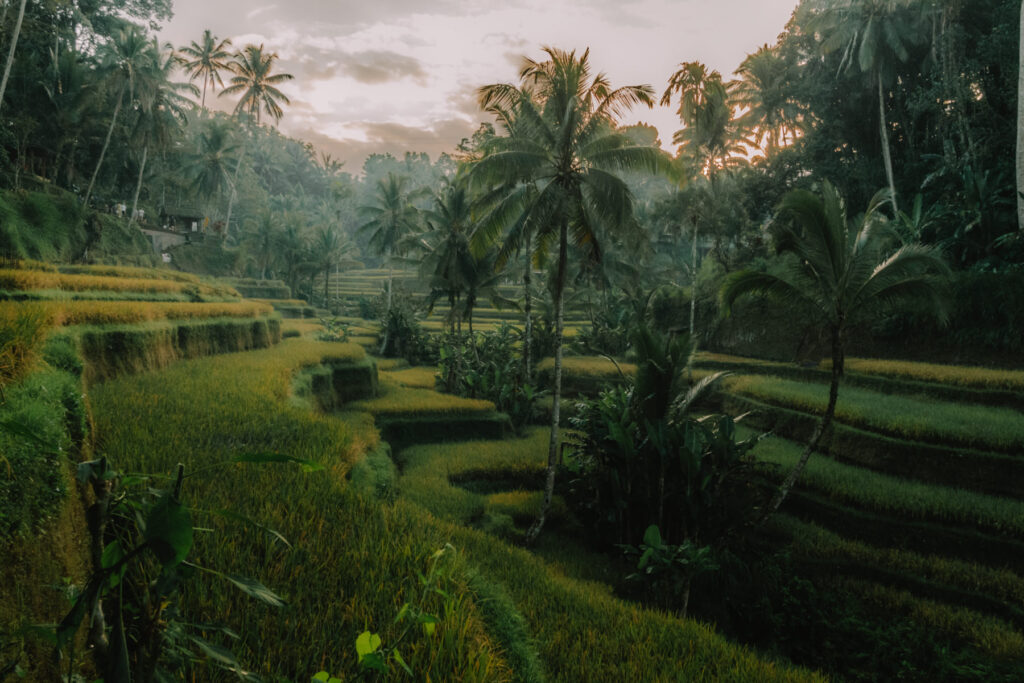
396,73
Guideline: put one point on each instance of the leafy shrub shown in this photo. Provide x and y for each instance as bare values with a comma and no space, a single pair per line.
404,338
488,367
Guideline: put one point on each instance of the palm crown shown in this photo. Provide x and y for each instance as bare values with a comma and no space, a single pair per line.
254,79
207,58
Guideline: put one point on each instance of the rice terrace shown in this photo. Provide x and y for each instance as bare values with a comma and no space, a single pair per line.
535,341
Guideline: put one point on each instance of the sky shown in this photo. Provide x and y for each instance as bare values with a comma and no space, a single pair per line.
402,75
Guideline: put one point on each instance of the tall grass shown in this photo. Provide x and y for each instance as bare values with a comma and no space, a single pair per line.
396,401
116,312
892,495
989,635
916,419
36,279
814,541
957,375
351,564
22,331
418,377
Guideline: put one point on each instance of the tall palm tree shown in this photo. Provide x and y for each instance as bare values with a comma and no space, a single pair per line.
209,169
71,90
207,58
10,52
128,53
255,80
261,239
764,88
840,272
389,219
562,179
874,36
328,249
448,260
162,109
1020,126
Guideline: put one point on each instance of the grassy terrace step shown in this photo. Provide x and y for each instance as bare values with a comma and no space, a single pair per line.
413,415
352,559
895,496
428,472
956,467
418,377
28,280
964,384
927,421
585,375
113,350
989,635
921,537
115,312
968,584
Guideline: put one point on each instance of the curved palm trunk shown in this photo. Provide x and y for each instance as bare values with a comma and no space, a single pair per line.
528,340
138,184
106,144
387,315
1020,126
10,53
549,481
234,185
838,360
886,154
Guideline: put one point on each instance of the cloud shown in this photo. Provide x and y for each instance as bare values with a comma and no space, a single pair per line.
260,10
380,66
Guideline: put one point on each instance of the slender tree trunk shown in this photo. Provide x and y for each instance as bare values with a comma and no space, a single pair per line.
1020,127
10,52
138,185
387,314
234,186
693,280
528,340
838,361
553,443
203,103
327,281
886,155
106,143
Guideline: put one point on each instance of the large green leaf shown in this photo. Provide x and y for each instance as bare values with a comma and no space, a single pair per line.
169,530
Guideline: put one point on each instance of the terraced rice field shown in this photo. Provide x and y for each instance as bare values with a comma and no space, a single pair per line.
914,505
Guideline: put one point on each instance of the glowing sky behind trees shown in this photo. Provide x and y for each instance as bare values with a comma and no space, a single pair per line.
397,75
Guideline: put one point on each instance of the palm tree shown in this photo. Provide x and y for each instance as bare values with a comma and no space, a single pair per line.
328,249
874,36
208,58
209,168
71,91
448,260
765,88
840,272
389,220
261,239
561,177
254,79
123,58
162,108
1020,126
10,53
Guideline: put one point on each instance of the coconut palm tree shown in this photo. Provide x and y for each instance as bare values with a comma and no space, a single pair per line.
873,36
764,88
10,52
561,176
329,248
209,169
162,109
122,59
840,272
389,220
257,84
207,58
255,81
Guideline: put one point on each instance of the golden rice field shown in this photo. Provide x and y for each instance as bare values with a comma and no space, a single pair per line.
418,377
400,401
31,280
589,366
64,313
958,375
